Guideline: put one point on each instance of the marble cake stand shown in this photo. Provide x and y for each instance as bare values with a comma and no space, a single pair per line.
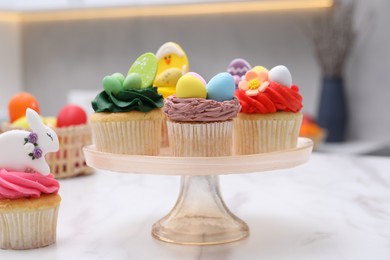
200,216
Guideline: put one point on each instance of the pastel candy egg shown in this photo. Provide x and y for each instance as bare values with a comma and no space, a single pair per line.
196,75
132,81
281,75
190,86
119,76
259,69
221,87
146,67
111,84
238,67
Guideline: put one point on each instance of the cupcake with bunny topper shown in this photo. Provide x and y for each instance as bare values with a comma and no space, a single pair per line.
29,199
270,116
200,116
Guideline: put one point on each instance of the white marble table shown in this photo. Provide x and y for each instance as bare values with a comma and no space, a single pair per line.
331,208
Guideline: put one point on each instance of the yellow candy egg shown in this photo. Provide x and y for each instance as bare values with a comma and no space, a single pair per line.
191,85
259,68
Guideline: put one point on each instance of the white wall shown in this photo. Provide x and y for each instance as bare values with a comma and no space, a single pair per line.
368,76
60,56
79,54
10,63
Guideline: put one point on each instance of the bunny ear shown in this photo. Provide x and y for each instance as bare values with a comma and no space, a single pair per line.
33,119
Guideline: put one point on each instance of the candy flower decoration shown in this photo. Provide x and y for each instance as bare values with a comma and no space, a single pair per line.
23,150
31,145
254,82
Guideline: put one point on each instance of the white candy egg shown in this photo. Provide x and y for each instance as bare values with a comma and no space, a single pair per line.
281,75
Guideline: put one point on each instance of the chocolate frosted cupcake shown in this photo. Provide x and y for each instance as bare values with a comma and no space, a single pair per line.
198,126
127,118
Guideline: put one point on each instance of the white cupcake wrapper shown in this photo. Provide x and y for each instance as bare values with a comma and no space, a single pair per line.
265,135
141,137
200,139
29,229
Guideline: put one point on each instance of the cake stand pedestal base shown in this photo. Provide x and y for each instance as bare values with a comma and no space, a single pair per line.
200,217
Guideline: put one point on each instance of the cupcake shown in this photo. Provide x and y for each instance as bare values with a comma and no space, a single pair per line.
29,201
270,116
172,64
200,117
127,118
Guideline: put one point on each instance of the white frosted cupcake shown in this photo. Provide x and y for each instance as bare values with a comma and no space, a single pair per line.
200,126
270,116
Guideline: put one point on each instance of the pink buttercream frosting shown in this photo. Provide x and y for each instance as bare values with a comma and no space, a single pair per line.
200,109
15,185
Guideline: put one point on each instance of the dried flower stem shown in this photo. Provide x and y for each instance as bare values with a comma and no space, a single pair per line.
333,36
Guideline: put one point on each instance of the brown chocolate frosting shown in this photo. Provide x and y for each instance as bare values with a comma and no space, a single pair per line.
200,109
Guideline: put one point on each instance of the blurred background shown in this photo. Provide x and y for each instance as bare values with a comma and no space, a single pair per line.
59,51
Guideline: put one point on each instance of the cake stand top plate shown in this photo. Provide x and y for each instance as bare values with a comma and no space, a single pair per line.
169,165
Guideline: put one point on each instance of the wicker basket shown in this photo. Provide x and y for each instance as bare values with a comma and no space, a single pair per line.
69,160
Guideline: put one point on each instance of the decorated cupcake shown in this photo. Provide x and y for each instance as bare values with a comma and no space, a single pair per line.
270,116
172,64
127,118
29,201
200,116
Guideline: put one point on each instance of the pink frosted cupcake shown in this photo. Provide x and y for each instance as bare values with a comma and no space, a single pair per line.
28,193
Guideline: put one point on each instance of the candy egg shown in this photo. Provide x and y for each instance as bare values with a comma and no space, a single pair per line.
221,87
71,115
112,84
146,67
281,75
238,67
260,68
119,76
190,86
132,81
19,103
196,75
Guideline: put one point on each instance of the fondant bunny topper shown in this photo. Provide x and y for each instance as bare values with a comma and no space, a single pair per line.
22,150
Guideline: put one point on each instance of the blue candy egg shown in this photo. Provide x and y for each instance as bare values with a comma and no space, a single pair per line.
221,87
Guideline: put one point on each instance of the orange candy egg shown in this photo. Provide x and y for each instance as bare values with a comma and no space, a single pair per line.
19,103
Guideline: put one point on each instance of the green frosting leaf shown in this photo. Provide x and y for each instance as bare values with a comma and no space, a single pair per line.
128,100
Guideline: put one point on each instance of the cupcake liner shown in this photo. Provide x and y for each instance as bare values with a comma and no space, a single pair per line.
164,132
69,161
141,137
200,139
266,133
28,229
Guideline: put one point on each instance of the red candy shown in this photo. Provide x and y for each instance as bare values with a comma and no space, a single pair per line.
71,115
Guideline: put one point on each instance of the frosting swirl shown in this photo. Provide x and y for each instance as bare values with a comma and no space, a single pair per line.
128,100
275,98
200,109
15,185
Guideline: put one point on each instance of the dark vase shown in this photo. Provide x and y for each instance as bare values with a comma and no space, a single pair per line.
332,113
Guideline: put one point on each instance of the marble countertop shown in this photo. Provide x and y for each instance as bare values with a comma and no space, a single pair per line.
333,207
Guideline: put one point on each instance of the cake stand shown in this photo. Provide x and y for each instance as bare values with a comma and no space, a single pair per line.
200,216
